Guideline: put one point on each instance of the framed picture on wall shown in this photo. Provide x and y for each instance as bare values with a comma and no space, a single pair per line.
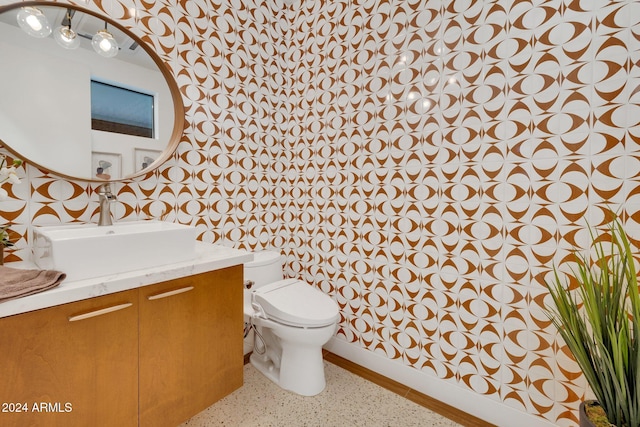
144,158
106,165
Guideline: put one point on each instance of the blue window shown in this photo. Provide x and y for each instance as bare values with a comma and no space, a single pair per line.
121,110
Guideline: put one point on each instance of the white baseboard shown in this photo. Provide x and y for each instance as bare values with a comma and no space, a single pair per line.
467,401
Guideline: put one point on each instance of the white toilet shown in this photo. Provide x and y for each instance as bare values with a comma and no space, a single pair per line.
292,321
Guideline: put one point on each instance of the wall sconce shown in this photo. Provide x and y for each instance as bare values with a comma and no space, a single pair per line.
65,36
33,22
104,43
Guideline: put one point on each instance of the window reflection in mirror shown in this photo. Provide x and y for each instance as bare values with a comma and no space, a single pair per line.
117,109
46,102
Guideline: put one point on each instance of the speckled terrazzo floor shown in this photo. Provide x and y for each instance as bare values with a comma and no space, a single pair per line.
347,401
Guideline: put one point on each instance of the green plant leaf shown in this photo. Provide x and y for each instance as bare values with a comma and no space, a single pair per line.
599,321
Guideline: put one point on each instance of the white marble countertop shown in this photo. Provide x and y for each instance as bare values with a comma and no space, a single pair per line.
208,258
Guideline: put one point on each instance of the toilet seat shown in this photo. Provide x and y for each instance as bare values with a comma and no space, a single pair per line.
295,303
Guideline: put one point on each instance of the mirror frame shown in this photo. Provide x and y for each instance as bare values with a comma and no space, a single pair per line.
178,106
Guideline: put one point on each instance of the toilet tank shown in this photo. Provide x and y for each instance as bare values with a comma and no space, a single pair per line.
265,268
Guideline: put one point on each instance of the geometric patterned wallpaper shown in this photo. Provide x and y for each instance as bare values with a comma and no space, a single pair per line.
441,155
423,162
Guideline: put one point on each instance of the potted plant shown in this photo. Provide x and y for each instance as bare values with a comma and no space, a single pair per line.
7,174
597,312
4,242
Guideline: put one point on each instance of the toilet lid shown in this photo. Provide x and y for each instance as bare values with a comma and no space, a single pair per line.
296,303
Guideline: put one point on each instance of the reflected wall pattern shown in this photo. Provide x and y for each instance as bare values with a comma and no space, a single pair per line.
423,162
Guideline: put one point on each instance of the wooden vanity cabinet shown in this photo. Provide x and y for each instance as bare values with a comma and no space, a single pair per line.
71,365
153,356
190,345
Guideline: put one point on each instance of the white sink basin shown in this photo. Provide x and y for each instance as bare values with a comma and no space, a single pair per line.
87,251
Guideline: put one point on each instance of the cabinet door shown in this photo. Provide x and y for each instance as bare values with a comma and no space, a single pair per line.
190,345
71,365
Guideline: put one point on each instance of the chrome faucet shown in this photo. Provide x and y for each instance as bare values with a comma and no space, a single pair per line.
105,197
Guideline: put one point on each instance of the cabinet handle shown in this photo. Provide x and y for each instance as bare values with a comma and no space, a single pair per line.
100,312
170,293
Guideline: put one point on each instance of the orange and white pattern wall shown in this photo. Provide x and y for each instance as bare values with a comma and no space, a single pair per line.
423,162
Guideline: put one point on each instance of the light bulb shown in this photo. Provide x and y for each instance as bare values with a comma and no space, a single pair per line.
66,37
33,22
104,44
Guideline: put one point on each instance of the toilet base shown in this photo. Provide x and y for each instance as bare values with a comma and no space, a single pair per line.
301,366
307,380
265,366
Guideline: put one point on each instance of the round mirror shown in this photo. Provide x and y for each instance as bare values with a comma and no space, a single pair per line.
81,96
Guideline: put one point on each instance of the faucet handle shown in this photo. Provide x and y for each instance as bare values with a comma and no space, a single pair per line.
106,197
105,191
104,188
